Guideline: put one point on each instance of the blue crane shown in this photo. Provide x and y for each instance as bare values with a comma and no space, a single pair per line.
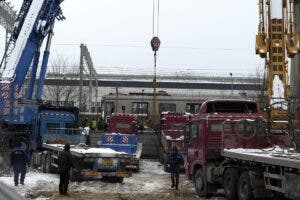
34,23
27,120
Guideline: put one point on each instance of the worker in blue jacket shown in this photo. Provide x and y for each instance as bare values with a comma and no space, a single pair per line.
18,160
176,161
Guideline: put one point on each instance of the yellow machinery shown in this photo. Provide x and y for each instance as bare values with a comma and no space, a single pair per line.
276,41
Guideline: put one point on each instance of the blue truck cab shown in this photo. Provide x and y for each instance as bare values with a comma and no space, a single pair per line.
40,124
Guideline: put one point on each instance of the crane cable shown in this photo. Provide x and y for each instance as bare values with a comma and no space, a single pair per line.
153,20
155,43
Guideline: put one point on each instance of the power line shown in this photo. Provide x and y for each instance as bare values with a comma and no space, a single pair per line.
163,47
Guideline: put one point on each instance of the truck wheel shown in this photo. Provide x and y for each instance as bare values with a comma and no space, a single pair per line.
244,187
119,179
230,181
200,185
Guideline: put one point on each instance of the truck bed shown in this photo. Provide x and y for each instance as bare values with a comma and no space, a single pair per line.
272,156
85,151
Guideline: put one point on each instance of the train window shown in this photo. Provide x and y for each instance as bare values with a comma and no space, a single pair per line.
193,107
164,107
140,108
109,108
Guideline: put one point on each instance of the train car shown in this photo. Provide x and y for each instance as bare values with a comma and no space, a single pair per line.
141,103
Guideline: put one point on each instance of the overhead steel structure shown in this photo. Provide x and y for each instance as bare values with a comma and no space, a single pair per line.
86,66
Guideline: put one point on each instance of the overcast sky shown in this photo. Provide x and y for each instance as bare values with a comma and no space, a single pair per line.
198,36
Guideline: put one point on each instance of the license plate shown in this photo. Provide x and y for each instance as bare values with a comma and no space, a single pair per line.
107,162
90,174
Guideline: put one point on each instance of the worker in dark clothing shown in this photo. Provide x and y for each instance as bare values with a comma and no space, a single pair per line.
84,122
176,161
64,165
18,160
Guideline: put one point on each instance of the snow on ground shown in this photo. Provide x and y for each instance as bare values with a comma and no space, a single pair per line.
33,179
150,179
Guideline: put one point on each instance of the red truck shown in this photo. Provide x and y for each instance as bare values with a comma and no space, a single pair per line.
124,127
229,147
172,126
123,123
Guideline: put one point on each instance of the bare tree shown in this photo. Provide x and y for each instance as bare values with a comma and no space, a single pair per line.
61,70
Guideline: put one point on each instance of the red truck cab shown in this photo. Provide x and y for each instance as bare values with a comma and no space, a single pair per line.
216,136
204,130
172,132
122,123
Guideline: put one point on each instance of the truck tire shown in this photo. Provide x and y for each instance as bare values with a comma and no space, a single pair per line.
76,175
119,179
244,187
200,186
230,182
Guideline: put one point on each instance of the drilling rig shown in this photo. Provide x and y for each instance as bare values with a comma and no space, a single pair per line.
277,41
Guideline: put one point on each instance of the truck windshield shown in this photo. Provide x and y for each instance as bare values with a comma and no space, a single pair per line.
122,125
232,107
178,127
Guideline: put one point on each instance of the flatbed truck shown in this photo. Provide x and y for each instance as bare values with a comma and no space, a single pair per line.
90,162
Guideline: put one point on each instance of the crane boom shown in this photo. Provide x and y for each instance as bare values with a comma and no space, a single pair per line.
276,41
34,23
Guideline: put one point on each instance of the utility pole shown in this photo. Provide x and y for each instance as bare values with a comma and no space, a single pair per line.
117,98
81,78
231,84
142,128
